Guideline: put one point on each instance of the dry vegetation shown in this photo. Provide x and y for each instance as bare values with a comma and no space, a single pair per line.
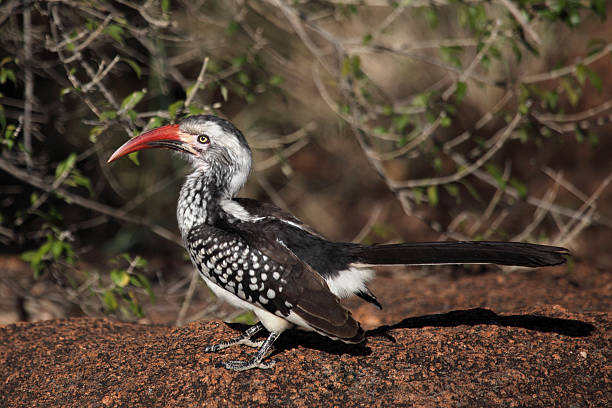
372,120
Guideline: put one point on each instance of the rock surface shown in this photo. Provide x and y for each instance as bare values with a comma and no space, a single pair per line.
554,353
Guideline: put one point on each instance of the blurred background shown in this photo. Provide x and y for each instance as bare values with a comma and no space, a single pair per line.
371,120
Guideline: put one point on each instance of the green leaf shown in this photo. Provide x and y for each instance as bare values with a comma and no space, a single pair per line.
108,115
599,7
153,123
135,67
56,249
595,80
246,318
65,166
94,133
519,186
437,164
34,258
78,179
165,6
432,195
239,61
65,91
276,80
421,100
366,39
451,55
497,175
573,95
120,277
135,308
400,122
143,282
470,188
460,91
380,130
574,17
445,121
452,189
233,27
580,73
132,99
174,108
552,99
115,32
5,74
243,77
134,158
110,300
431,16
352,66
195,110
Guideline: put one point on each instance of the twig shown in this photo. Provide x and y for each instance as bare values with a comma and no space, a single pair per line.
29,85
588,203
477,59
520,18
501,139
195,87
574,117
28,178
102,73
539,213
568,69
558,178
76,52
490,114
365,230
180,319
499,192
289,151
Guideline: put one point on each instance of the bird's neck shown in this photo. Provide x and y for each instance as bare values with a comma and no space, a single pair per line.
201,197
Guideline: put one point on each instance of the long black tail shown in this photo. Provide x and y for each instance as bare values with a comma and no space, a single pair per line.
471,252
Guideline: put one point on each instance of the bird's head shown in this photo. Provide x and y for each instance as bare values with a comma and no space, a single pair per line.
210,143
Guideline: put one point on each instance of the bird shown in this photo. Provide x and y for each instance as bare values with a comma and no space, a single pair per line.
263,259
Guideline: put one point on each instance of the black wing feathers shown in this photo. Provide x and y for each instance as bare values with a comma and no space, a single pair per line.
325,257
304,289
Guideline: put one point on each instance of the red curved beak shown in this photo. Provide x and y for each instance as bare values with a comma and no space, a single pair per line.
166,136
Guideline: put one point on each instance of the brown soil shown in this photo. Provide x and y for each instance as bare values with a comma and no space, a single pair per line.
539,338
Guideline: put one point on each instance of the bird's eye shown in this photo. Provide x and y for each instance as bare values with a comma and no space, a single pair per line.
203,139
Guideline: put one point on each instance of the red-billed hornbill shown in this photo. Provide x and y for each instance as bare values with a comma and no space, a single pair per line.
260,258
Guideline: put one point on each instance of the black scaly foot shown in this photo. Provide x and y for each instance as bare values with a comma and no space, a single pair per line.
256,360
245,339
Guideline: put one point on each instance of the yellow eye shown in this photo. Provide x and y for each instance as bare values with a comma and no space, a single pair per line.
203,139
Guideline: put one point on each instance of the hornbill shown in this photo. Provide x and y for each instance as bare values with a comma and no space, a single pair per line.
261,258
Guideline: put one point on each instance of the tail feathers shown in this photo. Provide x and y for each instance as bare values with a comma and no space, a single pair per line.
471,252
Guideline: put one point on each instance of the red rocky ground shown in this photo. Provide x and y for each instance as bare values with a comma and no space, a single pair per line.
451,338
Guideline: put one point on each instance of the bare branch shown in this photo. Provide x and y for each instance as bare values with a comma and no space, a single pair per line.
87,203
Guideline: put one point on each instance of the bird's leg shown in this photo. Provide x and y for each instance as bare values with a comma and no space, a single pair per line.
256,360
244,338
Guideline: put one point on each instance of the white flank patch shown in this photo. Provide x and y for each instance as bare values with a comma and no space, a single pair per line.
349,281
271,322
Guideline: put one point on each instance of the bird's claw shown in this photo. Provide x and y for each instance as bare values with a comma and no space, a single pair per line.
212,349
244,341
236,365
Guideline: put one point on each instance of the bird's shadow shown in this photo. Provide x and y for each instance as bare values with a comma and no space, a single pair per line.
470,317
